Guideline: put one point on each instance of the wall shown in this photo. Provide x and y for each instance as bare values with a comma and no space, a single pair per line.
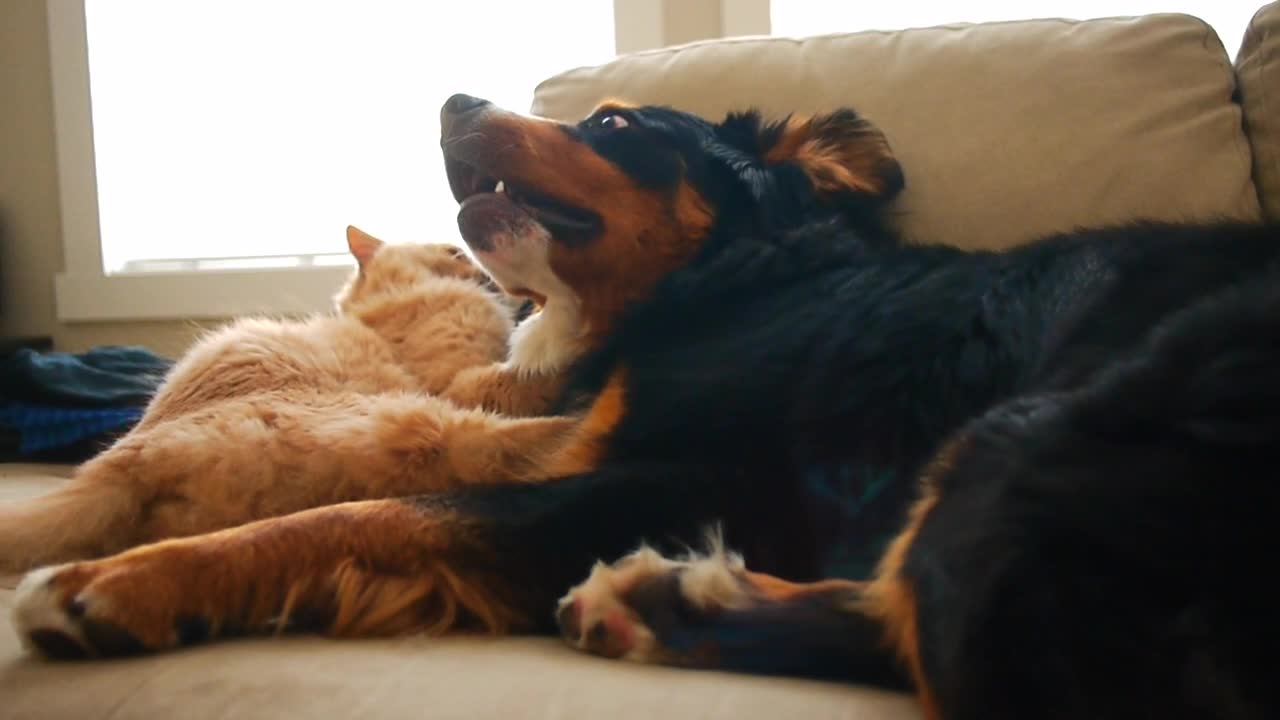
30,216
30,228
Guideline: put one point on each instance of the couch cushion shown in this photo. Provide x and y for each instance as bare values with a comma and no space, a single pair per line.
412,677
1005,130
1258,68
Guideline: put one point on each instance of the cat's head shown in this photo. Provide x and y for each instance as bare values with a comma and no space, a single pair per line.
388,269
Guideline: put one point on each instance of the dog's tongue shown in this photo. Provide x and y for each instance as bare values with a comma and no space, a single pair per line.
483,215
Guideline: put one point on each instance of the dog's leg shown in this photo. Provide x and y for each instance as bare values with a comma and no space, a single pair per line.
357,569
489,559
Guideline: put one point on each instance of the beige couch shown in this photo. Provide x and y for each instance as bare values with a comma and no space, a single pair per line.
1005,130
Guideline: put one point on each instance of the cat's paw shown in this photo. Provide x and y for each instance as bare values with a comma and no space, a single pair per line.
103,608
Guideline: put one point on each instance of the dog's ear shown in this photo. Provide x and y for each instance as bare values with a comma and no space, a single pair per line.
841,153
362,245
740,147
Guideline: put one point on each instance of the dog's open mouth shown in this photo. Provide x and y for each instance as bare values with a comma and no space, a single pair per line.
480,191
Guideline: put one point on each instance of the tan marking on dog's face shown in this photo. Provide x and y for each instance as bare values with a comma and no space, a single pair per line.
646,236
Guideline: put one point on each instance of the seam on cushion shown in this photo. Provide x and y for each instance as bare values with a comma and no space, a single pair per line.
1243,148
1265,155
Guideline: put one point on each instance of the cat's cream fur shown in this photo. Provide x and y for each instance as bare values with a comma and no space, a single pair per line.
405,388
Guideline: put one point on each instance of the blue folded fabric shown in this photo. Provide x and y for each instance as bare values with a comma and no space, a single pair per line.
42,428
109,376
57,401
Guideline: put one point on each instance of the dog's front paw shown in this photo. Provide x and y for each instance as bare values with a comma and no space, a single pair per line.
709,611
103,608
653,609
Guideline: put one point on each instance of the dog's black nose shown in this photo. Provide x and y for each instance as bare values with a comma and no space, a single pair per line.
461,103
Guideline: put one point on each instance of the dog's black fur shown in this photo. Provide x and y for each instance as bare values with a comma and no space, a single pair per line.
1101,550
1099,547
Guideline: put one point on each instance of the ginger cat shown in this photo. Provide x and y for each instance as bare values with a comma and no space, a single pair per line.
401,390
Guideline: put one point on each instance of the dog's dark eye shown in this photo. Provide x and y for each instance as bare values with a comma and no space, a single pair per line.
612,122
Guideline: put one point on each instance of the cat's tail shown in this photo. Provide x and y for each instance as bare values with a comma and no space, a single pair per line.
95,513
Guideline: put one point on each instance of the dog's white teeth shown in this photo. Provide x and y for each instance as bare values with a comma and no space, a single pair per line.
501,187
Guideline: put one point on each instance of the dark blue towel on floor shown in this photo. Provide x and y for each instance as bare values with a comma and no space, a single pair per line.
112,376
48,428
58,401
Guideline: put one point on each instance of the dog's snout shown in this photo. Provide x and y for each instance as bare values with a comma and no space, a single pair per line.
460,103
458,114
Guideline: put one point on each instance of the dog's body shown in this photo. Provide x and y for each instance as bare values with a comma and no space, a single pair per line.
1088,547
754,345
837,372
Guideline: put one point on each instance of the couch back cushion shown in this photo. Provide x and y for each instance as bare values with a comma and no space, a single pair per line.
1258,68
1006,131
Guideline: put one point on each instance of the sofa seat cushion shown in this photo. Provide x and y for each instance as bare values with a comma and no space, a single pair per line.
1005,130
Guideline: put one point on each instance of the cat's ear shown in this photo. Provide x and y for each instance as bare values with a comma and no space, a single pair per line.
362,245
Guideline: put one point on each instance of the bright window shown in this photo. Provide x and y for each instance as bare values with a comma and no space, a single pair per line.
814,17
251,128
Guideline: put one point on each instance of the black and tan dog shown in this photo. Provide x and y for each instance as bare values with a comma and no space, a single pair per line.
1092,416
